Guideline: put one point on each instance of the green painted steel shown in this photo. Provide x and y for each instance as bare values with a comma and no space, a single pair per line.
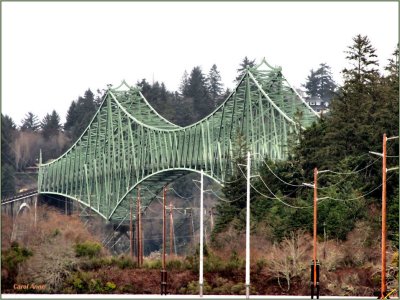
128,143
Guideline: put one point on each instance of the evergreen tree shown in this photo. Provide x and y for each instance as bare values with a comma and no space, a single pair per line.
145,87
30,122
8,135
51,125
327,85
320,83
243,67
80,113
393,68
362,58
350,126
233,209
311,85
184,86
214,84
197,90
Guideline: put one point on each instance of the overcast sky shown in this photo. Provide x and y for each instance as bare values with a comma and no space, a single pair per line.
53,52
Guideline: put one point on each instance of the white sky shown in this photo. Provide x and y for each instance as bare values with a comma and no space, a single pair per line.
53,52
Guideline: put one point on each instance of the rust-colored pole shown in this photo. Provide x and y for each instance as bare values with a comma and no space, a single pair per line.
171,224
130,229
137,232
140,230
164,231
383,276
315,225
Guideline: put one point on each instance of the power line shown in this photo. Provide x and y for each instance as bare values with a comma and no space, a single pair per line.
275,197
362,196
352,172
180,196
212,192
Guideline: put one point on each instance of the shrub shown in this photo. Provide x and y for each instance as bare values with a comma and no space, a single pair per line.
79,282
193,288
152,264
124,262
235,262
260,264
130,289
82,282
88,249
55,232
11,259
95,286
177,264
110,286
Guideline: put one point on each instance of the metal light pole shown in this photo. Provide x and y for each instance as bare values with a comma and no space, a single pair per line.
163,271
315,226
201,235
248,228
383,276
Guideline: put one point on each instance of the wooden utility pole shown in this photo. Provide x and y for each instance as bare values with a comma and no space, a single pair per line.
171,228
384,230
315,263
139,230
130,229
383,276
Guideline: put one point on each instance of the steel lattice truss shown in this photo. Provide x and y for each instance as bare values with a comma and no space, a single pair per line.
128,143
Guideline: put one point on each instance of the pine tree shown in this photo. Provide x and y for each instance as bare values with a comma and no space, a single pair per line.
8,135
327,85
350,126
311,85
197,89
80,113
51,125
393,68
320,83
184,86
234,190
361,55
214,84
243,67
30,122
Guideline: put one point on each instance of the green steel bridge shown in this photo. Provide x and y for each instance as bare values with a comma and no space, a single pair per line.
128,144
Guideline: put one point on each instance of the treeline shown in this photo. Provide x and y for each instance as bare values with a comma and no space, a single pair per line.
365,107
20,147
197,96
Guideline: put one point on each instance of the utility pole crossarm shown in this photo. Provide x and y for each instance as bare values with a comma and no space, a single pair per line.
308,185
392,138
376,153
392,169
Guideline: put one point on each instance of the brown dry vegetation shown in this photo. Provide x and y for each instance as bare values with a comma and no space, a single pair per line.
27,145
51,242
347,268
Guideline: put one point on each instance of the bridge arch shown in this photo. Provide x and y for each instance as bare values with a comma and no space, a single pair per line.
24,207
